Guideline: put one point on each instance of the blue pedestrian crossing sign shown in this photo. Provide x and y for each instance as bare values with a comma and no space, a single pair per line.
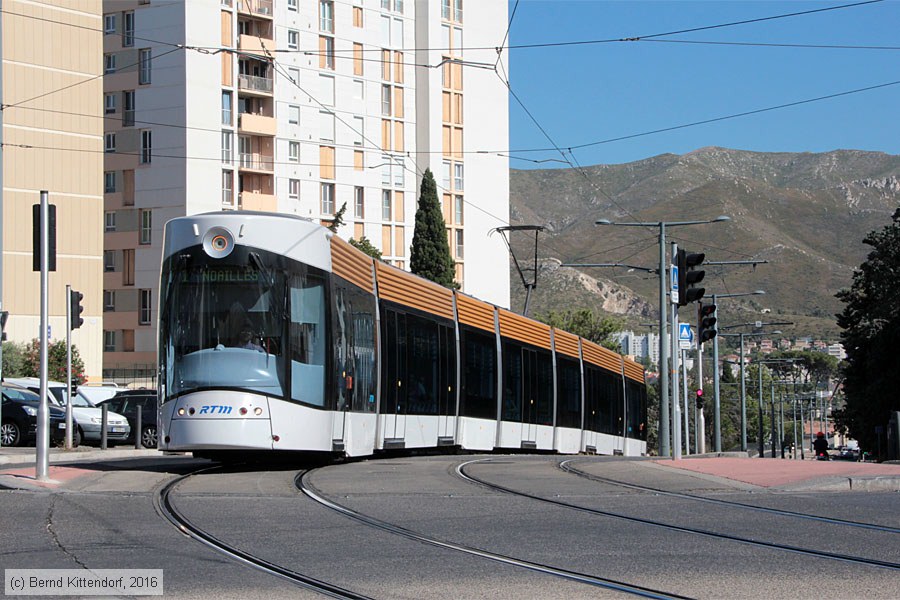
685,333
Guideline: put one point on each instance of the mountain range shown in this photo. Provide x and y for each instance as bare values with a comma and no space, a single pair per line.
800,216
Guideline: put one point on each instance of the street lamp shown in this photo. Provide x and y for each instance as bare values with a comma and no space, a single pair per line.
742,335
663,349
716,406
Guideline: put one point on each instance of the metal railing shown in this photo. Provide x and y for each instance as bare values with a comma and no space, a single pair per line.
255,83
259,7
259,162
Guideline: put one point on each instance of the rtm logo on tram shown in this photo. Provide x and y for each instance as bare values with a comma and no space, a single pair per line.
214,409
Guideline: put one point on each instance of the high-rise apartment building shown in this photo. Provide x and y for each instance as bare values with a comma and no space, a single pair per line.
52,139
300,107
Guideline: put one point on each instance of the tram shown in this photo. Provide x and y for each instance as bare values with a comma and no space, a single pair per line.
277,335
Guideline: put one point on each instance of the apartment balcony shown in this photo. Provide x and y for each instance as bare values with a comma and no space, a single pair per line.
257,201
260,8
254,85
259,163
256,124
255,44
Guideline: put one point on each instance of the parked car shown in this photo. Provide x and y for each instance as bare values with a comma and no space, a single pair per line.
20,410
95,394
88,417
846,453
128,402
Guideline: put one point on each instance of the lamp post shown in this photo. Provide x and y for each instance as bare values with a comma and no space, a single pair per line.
716,406
759,364
742,335
664,443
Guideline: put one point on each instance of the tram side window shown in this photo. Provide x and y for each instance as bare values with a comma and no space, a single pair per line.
636,407
353,323
479,377
568,376
423,348
307,339
512,382
544,395
604,399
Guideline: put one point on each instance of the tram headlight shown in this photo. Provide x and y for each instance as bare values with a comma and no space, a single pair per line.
257,411
181,412
218,242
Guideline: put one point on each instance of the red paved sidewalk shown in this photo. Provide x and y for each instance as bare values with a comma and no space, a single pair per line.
774,472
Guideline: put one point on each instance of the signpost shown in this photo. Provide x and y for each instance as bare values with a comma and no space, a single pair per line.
685,336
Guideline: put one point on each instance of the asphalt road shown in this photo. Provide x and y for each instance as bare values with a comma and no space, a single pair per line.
103,516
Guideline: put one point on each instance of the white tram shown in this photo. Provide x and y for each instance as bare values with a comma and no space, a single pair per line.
276,335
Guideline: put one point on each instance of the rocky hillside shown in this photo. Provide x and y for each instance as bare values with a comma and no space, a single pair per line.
805,214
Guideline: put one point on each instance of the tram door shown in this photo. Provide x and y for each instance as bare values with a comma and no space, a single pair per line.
446,383
393,406
530,391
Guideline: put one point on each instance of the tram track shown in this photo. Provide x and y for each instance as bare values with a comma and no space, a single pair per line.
565,466
301,481
461,472
167,509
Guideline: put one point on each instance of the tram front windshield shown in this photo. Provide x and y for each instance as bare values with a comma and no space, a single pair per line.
243,326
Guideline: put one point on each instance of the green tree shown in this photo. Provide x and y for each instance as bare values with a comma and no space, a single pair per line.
13,359
584,323
870,324
56,362
363,244
430,256
338,219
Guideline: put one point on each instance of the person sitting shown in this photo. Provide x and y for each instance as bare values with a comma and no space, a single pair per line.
245,341
820,445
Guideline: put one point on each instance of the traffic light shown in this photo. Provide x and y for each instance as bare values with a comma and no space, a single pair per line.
706,322
4,315
688,276
75,309
700,399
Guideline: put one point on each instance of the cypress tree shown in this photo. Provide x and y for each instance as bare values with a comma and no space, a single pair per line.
430,255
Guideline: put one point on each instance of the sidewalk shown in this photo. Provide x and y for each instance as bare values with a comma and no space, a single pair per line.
22,457
795,475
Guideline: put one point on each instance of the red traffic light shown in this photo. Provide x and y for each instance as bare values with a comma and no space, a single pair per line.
699,393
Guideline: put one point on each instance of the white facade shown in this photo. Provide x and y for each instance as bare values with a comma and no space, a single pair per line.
300,107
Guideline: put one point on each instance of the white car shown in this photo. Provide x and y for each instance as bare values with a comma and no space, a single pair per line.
88,417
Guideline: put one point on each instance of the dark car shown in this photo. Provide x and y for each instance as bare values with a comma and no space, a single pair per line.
19,411
127,403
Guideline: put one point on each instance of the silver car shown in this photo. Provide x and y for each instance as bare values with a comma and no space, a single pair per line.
88,418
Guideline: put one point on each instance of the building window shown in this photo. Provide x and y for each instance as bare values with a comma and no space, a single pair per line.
326,52
385,205
109,63
328,198
145,307
326,126
128,108
226,108
109,300
359,89
294,189
358,131
445,175
294,151
457,11
109,101
146,147
385,4
109,24
294,114
128,266
109,182
459,243
293,37
144,58
385,169
326,87
458,210
326,15
458,177
109,261
146,225
109,341
292,5
386,100
359,203
128,29
109,142
226,147
110,220
398,171
227,188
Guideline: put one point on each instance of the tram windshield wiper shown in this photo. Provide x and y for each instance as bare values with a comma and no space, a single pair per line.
266,277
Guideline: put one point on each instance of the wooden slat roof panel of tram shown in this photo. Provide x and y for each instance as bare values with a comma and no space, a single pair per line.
634,370
351,264
524,329
474,312
410,290
603,357
566,343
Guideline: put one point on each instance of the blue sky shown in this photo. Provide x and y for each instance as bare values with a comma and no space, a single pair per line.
581,94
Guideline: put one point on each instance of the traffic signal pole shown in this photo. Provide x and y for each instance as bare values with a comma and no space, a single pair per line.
676,409
42,444
700,432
